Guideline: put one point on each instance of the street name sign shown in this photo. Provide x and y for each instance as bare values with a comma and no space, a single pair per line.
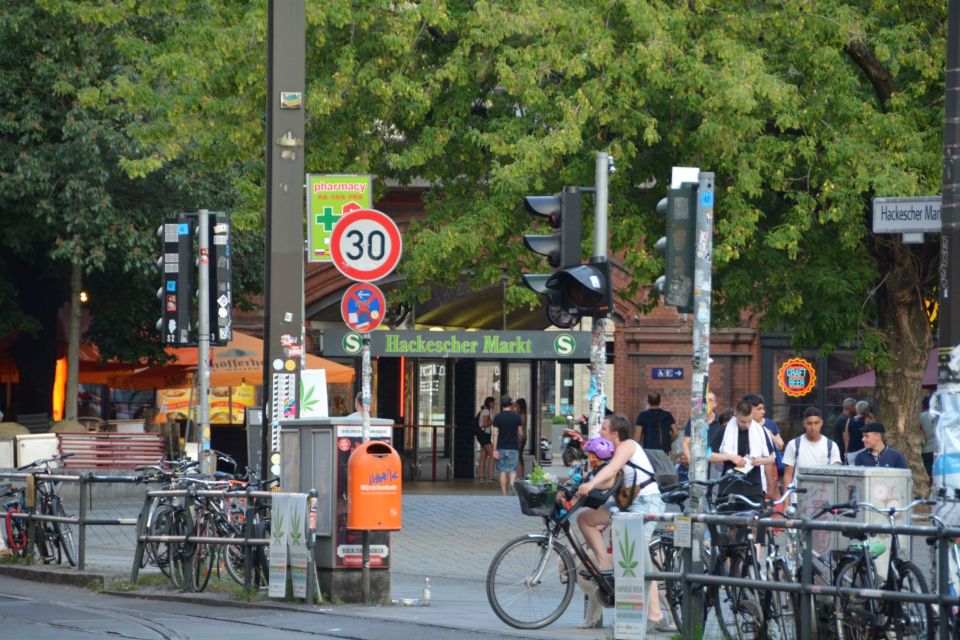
916,214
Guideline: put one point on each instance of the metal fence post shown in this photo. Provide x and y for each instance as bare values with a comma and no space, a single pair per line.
943,582
248,549
806,581
189,549
82,524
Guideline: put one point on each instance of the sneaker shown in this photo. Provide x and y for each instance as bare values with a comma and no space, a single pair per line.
663,625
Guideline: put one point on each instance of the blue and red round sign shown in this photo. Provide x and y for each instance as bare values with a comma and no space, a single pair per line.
363,307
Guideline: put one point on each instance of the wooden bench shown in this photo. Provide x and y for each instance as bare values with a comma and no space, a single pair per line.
110,450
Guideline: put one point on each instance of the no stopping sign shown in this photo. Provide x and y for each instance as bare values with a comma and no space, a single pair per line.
365,245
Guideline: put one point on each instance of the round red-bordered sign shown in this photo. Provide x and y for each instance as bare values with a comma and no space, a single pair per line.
797,377
365,245
363,307
343,444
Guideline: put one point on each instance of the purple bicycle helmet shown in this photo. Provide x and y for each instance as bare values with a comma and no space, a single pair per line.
600,447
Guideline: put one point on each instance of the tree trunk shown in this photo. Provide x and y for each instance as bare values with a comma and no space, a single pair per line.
73,344
908,335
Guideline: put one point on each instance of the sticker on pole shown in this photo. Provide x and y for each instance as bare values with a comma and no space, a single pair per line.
365,245
363,307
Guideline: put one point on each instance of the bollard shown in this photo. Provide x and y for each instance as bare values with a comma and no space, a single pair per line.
82,525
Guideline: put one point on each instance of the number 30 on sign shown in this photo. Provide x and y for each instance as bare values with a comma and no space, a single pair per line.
365,245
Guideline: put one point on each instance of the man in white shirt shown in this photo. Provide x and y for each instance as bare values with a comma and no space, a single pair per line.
810,449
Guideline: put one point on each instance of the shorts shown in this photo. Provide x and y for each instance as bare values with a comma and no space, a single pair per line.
648,504
484,438
508,460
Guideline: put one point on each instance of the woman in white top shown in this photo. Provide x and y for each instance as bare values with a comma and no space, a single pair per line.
616,428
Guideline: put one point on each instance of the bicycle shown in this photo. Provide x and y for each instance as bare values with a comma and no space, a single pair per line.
531,579
859,617
14,503
53,539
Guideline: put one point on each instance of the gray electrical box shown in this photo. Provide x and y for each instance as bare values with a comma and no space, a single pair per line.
880,486
314,455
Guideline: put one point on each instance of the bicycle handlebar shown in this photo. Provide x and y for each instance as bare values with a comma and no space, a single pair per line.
889,512
46,461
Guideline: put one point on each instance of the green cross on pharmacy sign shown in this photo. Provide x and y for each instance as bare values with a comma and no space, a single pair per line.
329,197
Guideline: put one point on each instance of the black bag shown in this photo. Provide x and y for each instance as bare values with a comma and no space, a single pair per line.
476,426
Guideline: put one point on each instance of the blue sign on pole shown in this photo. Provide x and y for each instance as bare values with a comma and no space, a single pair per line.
667,373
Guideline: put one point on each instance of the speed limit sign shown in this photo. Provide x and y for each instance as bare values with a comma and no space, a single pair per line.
365,245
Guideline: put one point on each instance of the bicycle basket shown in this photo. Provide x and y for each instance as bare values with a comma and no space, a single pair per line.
535,499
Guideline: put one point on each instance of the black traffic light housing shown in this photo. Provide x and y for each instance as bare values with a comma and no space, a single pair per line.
220,287
678,246
575,290
564,211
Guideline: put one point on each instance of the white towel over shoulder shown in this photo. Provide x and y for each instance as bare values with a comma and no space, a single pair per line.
758,443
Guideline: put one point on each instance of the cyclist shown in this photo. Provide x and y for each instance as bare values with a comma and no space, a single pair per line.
617,428
599,451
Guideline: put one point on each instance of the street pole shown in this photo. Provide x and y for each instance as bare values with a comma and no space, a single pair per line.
208,462
283,226
702,289
598,348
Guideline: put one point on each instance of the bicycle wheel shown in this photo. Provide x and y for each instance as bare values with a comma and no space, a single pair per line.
781,607
204,553
738,610
64,532
177,552
667,558
160,525
530,583
912,620
47,547
857,618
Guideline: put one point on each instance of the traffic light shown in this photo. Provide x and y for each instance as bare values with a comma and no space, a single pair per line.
680,210
176,293
220,287
576,289
564,211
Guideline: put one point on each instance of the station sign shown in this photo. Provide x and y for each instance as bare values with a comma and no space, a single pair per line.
485,345
919,214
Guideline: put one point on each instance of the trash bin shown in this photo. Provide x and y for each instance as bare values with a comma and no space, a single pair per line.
374,488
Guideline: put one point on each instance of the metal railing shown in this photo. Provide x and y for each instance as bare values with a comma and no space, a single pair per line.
81,520
806,588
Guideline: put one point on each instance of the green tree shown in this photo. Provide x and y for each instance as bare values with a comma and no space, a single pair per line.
805,111
68,205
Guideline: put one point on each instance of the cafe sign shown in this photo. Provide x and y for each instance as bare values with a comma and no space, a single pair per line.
485,345
797,377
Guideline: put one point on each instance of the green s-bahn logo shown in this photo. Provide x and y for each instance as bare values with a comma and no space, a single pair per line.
564,344
352,343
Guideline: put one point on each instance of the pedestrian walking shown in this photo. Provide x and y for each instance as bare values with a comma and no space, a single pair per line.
521,407
847,412
875,452
930,443
810,449
655,428
506,442
484,439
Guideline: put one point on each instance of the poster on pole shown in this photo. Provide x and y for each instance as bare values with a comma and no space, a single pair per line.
313,393
279,540
297,504
329,197
629,566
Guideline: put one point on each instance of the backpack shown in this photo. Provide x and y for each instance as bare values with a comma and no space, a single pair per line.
476,426
777,454
796,450
664,474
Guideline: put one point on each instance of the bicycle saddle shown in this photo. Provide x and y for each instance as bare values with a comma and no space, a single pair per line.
678,496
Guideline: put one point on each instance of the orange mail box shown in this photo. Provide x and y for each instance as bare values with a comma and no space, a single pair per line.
373,488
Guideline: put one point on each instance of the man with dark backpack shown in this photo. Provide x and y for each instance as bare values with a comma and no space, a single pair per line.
810,449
